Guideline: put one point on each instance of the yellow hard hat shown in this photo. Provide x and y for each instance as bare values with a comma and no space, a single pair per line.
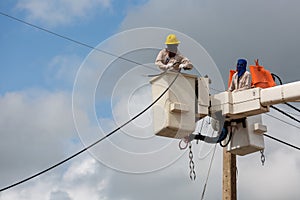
172,39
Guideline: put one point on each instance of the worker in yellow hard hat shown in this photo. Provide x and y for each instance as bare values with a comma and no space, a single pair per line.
170,58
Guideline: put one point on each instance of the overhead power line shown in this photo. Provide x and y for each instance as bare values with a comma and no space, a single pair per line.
293,107
93,144
208,173
71,39
292,113
283,142
280,82
286,114
298,127
278,140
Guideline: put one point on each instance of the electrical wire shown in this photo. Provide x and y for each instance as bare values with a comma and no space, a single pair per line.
298,115
72,40
283,142
293,107
211,149
282,120
281,111
284,113
278,140
275,76
280,82
228,140
208,173
93,144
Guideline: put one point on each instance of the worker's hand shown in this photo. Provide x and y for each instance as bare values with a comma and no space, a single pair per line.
169,66
182,66
166,67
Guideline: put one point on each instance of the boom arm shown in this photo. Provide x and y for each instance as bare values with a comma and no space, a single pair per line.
235,105
281,94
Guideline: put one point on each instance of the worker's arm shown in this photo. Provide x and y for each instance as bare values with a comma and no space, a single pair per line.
186,63
159,61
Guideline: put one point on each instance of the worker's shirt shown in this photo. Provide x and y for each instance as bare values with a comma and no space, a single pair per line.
242,83
163,58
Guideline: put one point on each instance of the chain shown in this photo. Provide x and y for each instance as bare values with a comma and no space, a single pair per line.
192,164
262,157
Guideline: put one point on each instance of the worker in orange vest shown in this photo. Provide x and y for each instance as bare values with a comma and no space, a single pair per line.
170,58
241,79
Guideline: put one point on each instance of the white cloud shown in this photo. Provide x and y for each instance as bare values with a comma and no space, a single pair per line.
62,69
36,129
60,195
72,183
79,169
60,12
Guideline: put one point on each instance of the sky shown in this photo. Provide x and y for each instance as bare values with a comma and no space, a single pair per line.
57,96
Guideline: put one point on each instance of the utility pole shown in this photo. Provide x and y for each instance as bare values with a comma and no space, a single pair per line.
229,176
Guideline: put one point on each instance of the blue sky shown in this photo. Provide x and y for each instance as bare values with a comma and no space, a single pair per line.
38,72
33,49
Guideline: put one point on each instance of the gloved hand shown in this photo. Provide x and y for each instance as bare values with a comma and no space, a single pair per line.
169,65
182,66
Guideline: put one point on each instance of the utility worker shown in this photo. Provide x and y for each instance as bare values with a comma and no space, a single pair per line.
170,58
241,79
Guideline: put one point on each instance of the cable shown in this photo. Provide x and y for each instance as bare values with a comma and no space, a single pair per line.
298,115
279,79
282,120
211,149
275,76
207,177
72,40
210,165
293,107
278,140
93,144
286,114
229,139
